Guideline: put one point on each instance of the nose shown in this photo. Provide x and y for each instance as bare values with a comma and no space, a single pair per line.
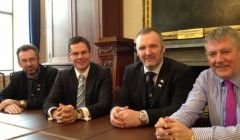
148,50
29,63
80,55
219,57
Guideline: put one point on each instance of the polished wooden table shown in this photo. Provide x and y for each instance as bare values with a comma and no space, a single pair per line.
32,125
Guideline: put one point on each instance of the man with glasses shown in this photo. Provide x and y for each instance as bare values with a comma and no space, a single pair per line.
28,88
82,92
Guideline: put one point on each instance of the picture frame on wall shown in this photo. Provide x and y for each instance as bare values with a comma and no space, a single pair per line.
183,19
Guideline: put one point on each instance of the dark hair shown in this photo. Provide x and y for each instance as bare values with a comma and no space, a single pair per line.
149,30
27,47
222,32
78,39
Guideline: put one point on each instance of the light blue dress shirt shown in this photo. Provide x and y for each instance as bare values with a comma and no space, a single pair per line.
210,90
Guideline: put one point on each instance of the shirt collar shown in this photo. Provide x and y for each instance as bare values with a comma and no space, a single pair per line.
85,73
235,80
156,70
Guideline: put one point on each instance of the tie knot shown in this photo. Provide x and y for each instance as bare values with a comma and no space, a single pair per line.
228,84
81,77
149,75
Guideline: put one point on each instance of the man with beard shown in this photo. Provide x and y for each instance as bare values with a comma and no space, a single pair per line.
28,88
82,92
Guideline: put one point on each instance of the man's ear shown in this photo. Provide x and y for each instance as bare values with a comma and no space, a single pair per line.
163,48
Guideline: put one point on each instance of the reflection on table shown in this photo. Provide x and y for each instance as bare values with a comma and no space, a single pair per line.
32,124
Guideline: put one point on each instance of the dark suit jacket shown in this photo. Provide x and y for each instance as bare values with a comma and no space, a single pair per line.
18,87
174,82
98,94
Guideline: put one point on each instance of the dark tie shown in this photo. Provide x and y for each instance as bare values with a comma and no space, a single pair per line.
81,92
231,118
31,88
149,83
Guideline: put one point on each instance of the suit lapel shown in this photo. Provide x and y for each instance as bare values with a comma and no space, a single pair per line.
161,81
91,79
73,84
142,88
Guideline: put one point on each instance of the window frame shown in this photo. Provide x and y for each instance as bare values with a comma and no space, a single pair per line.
12,47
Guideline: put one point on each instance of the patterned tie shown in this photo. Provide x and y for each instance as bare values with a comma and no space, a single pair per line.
149,83
81,92
231,118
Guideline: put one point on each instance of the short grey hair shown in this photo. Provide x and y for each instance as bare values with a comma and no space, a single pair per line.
222,32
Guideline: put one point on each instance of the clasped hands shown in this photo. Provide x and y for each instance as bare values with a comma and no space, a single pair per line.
171,129
123,117
11,106
64,114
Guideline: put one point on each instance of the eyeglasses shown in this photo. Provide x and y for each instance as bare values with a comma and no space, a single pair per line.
76,54
30,60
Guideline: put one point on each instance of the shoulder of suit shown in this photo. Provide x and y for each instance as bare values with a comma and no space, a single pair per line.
48,69
137,64
133,68
67,70
176,64
96,66
17,74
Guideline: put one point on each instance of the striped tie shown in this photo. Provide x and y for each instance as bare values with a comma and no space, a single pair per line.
81,92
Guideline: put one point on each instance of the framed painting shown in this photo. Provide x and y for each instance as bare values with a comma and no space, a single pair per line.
183,19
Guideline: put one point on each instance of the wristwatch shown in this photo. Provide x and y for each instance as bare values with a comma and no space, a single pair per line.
23,103
143,117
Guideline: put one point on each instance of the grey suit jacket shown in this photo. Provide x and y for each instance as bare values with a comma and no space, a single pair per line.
98,94
173,84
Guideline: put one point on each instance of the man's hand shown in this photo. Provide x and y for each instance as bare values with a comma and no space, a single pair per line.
65,114
7,102
167,128
161,129
13,109
115,117
130,118
124,117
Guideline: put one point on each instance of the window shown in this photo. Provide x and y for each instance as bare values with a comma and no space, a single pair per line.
14,32
6,36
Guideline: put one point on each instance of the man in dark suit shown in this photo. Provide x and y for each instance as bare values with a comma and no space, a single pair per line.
83,91
144,98
28,88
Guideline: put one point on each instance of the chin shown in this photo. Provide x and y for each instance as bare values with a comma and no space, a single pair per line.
223,75
31,72
82,68
150,67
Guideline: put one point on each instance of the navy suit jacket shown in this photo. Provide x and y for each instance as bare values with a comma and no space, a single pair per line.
18,87
98,94
173,84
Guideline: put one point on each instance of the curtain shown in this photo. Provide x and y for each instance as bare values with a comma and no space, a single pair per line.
34,22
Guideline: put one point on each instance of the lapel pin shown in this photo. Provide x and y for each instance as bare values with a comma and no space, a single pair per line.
160,83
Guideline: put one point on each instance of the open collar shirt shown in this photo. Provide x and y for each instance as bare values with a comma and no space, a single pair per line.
209,90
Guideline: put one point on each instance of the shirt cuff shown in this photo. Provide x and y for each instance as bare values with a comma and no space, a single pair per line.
50,118
86,114
203,133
